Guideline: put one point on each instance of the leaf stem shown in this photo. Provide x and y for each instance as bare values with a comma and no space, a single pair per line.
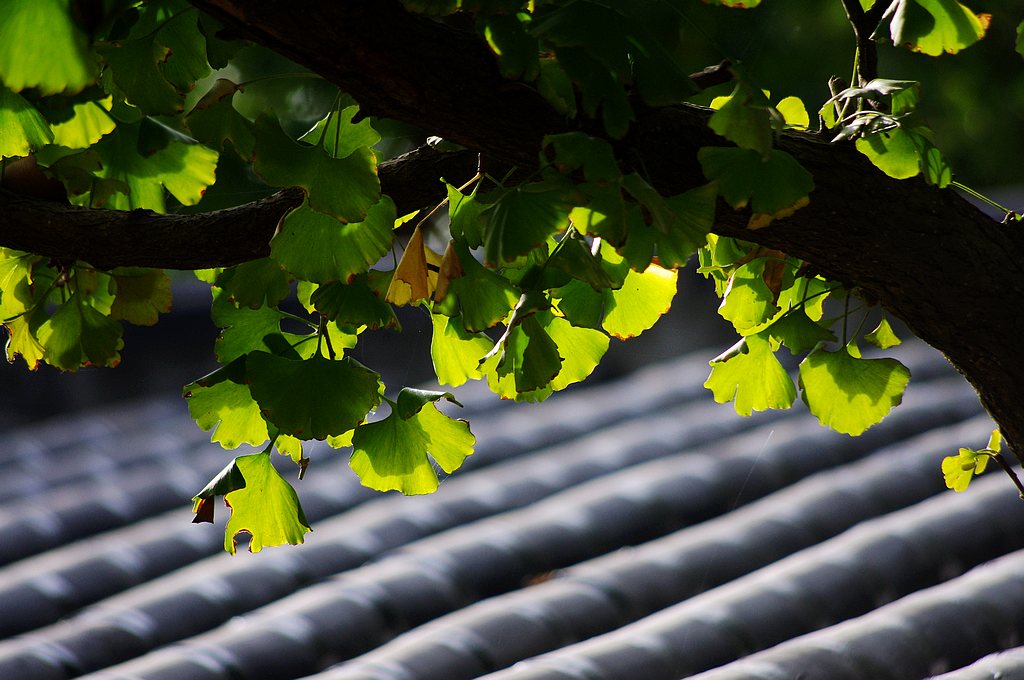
983,198
1010,471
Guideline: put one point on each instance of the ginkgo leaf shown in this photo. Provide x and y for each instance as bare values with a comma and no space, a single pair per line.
747,301
798,332
214,120
794,113
141,295
850,394
60,62
579,151
22,127
134,65
227,480
22,341
266,507
936,26
581,349
345,188
883,337
464,213
959,470
399,453
411,283
229,410
314,398
244,329
482,296
254,284
411,400
751,376
774,186
339,136
318,247
744,119
290,446
89,121
528,362
456,352
356,303
79,335
892,151
1019,44
522,220
641,300
185,170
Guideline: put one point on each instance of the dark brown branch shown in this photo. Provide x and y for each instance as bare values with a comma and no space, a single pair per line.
864,24
141,238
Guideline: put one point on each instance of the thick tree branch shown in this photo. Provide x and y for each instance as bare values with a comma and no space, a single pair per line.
142,238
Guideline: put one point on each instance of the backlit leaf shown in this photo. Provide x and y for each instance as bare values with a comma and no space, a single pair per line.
522,220
936,26
798,332
339,136
42,47
850,394
244,329
215,121
456,352
773,187
227,480
399,454
892,151
22,341
345,188
229,410
643,298
744,119
356,303
317,247
959,470
185,170
581,350
266,507
22,127
752,377
314,398
141,295
78,335
90,120
465,215
747,301
483,296
411,282
411,401
254,284
883,337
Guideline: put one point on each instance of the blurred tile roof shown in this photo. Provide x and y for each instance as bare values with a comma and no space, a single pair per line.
629,530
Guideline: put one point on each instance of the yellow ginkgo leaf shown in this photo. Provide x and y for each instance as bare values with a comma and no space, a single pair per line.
416,275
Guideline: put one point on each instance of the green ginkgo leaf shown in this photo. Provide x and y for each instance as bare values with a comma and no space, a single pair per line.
744,119
581,349
798,332
751,376
398,454
936,26
339,136
892,151
78,334
850,394
883,337
141,295
456,352
185,170
245,329
266,507
254,284
959,470
89,121
360,302
228,409
22,127
42,47
641,300
314,398
522,220
317,247
224,482
464,212
483,297
214,120
774,185
748,301
345,188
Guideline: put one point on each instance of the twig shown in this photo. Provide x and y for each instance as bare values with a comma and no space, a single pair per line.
864,25
1009,470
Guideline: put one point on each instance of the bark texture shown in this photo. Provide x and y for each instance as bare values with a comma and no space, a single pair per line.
951,273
